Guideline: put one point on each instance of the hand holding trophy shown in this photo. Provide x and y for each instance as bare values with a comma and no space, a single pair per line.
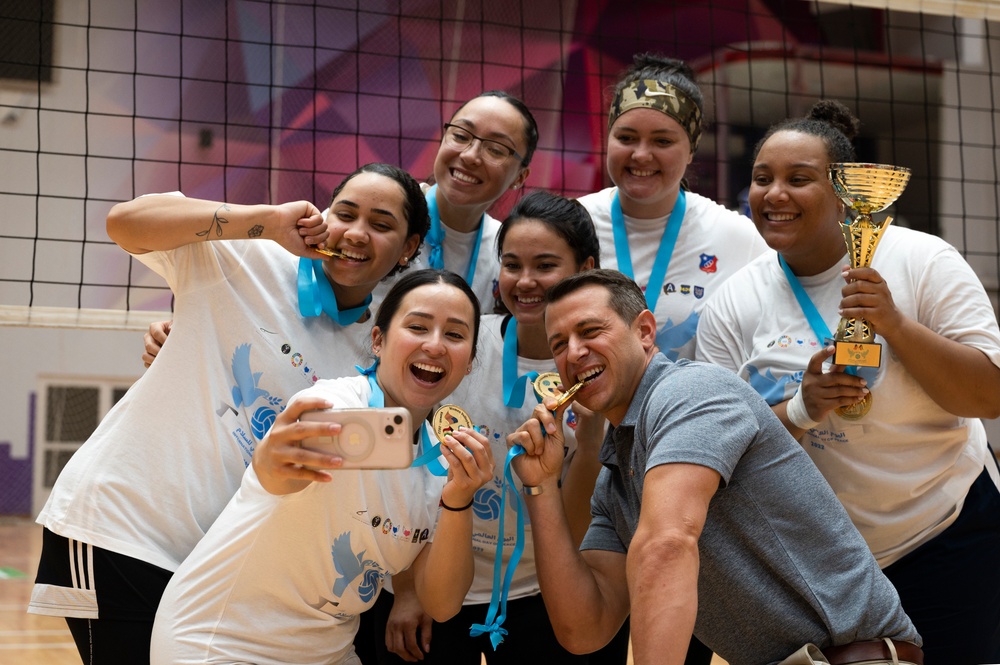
866,189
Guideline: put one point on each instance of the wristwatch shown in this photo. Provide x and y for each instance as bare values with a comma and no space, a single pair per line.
528,490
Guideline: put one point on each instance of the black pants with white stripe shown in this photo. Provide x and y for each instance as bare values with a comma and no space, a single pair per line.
128,593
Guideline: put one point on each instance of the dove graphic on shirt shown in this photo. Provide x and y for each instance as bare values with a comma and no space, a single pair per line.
350,566
246,392
768,387
672,338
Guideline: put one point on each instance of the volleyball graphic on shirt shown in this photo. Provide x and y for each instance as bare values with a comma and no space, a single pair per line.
262,420
486,503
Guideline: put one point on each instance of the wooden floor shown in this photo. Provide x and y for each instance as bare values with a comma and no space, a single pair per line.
29,639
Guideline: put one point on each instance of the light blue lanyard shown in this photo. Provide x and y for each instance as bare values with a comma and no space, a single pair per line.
816,322
316,295
667,243
498,602
513,385
431,454
514,398
435,238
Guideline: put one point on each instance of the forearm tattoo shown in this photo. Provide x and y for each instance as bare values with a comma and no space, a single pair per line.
255,232
217,223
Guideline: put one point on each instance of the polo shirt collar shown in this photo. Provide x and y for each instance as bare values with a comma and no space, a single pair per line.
608,454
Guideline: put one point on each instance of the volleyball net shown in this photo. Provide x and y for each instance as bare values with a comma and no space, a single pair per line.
253,101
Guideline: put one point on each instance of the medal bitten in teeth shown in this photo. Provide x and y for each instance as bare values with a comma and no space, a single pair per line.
547,383
340,254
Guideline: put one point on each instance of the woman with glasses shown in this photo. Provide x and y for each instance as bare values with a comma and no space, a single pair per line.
485,150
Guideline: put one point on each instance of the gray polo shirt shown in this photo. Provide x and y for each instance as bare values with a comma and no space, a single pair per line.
781,563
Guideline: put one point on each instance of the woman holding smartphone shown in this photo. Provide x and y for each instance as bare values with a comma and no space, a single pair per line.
302,548
544,239
255,323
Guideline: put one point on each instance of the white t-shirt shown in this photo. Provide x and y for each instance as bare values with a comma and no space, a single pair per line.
168,457
456,252
714,243
481,395
903,470
282,579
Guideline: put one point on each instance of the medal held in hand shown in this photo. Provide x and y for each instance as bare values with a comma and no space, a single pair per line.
548,383
448,419
866,189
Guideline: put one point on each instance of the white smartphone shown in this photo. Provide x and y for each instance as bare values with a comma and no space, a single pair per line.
369,438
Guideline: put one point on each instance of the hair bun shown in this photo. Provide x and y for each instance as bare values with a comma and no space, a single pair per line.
836,114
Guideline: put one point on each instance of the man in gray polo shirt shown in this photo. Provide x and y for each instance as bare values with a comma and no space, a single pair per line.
707,516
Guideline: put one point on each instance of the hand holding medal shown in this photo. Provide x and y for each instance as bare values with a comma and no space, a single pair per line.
470,458
548,383
448,419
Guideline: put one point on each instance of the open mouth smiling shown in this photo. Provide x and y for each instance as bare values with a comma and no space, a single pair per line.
590,374
425,373
464,177
779,216
350,255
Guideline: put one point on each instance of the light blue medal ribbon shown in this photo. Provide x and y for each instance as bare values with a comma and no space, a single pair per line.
431,453
667,242
435,238
498,601
816,322
513,385
316,295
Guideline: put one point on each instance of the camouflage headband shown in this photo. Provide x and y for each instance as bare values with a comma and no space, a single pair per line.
663,97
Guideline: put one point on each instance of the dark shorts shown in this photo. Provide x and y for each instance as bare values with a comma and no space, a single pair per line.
529,639
950,586
127,594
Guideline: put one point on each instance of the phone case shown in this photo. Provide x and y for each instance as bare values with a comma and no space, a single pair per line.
371,438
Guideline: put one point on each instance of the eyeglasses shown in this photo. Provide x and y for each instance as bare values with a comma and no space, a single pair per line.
494,152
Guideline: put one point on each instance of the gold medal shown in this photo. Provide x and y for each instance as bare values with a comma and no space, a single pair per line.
856,411
566,396
330,252
547,383
448,419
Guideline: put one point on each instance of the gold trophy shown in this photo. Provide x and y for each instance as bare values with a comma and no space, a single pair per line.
866,189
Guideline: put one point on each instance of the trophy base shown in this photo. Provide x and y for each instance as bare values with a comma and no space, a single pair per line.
858,354
856,411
